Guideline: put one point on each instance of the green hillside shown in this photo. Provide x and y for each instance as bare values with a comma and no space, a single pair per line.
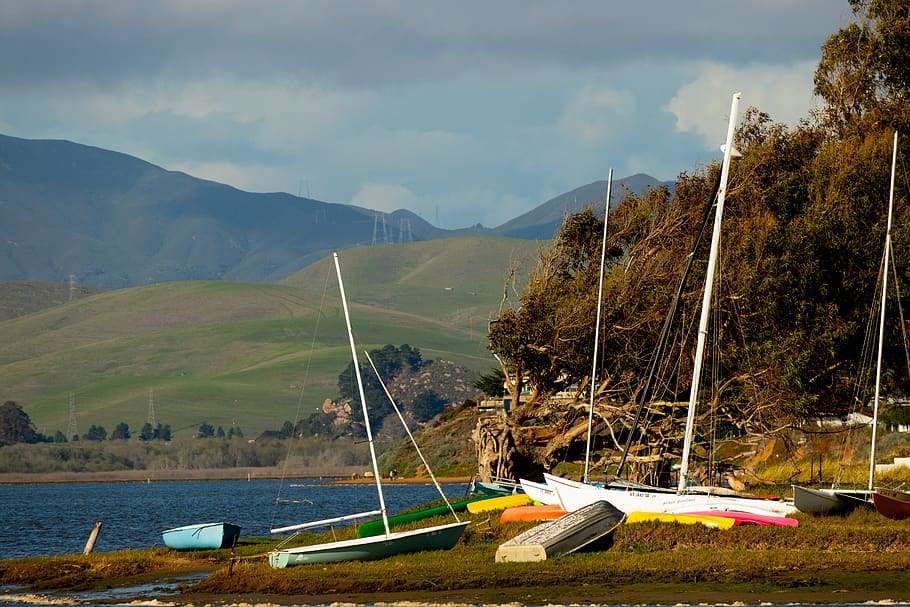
21,298
457,281
250,355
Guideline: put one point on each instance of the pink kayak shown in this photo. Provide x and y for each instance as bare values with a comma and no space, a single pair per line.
749,518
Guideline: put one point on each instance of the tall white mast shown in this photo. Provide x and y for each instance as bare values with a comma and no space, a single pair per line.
363,400
600,293
881,322
706,299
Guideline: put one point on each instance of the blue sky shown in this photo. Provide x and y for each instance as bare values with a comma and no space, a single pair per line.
464,112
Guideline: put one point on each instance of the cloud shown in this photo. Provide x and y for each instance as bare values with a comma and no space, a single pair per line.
452,210
594,112
701,106
471,111
385,197
359,45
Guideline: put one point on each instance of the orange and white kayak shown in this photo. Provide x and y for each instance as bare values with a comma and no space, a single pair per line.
541,512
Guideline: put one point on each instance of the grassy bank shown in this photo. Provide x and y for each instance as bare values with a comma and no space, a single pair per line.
825,560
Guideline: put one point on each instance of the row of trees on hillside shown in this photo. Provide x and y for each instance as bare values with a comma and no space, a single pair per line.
16,427
803,234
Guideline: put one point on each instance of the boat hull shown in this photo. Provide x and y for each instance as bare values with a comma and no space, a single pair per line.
892,503
202,536
499,503
708,520
584,528
539,492
495,488
821,501
441,537
749,518
541,512
376,527
574,495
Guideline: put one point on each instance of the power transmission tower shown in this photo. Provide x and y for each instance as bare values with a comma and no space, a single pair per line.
404,230
385,231
72,285
152,407
71,428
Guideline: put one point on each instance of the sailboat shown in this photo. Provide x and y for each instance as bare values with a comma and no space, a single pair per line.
573,495
889,502
389,543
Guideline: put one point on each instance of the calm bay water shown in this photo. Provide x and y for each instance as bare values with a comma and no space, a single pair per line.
53,519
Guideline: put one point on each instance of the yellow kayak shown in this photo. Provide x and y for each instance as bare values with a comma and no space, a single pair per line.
499,503
715,522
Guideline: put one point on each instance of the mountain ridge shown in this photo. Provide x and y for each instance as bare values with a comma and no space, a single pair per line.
107,219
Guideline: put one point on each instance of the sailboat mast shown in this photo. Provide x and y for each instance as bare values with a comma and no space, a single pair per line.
706,299
363,400
881,322
600,293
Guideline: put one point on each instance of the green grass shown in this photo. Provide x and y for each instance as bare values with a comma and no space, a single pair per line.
236,353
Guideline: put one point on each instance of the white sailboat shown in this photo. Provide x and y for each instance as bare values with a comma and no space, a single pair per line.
637,498
439,537
889,502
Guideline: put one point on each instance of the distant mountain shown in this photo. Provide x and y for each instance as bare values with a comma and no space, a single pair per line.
110,220
543,222
114,221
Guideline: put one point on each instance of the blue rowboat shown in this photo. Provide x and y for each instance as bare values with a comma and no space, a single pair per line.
202,536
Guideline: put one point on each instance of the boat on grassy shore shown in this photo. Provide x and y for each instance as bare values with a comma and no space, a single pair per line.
499,503
539,492
587,528
388,543
750,518
892,503
574,495
828,501
439,537
708,520
496,487
201,536
535,512
377,526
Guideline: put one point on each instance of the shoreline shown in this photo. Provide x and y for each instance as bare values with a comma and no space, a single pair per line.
341,477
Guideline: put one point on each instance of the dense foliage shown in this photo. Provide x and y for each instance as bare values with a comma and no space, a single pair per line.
391,363
16,426
802,240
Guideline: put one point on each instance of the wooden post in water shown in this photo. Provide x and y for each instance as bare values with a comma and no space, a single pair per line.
90,544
